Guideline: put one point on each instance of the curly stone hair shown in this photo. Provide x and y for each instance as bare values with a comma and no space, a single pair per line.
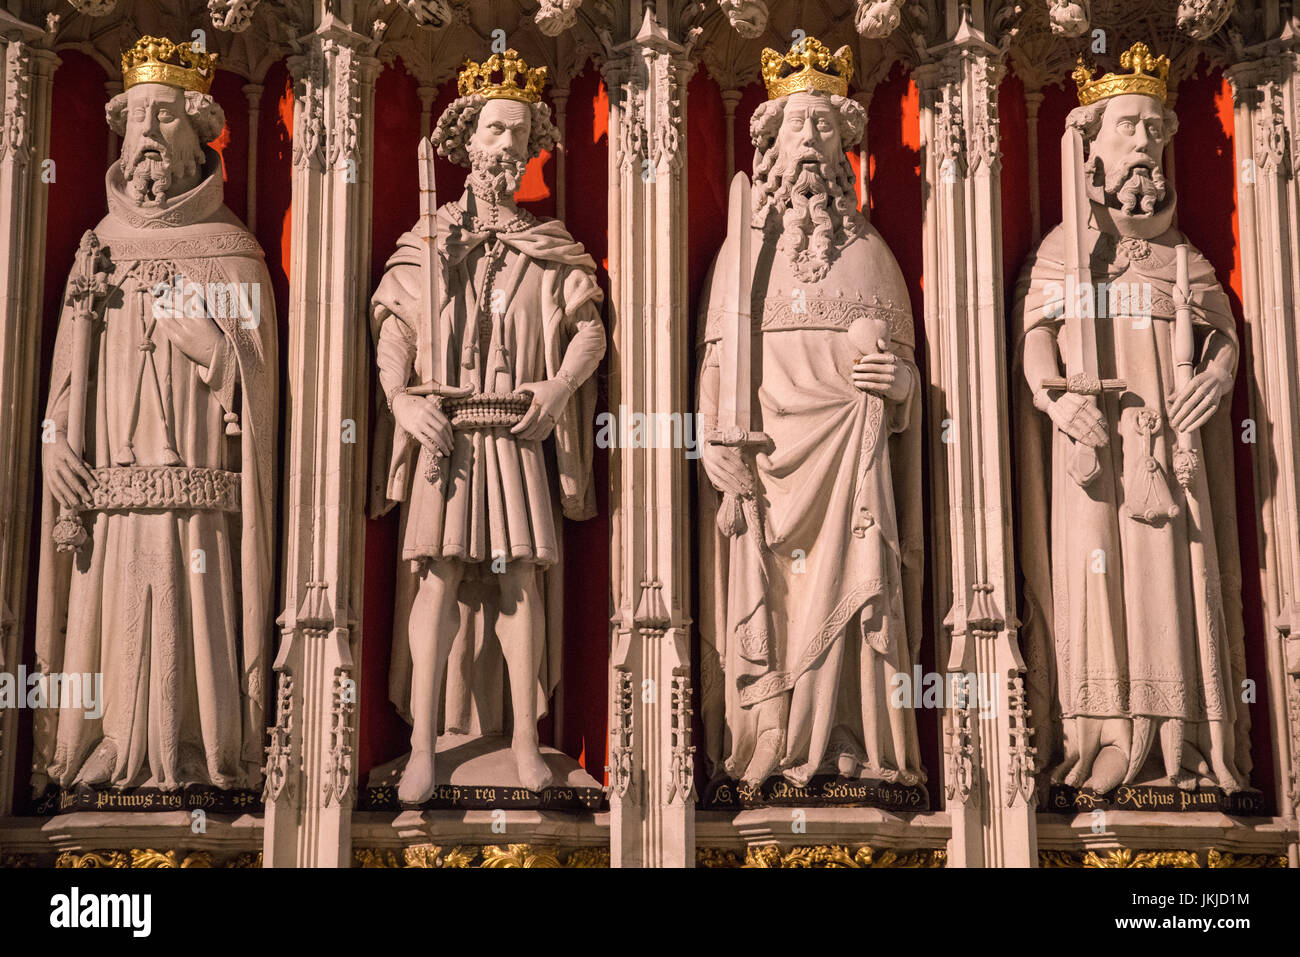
457,123
204,112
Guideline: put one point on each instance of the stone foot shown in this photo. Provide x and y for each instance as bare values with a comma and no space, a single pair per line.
1183,780
99,766
1227,780
416,785
534,773
767,755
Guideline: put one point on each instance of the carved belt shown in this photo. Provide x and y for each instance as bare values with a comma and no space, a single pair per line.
487,410
138,487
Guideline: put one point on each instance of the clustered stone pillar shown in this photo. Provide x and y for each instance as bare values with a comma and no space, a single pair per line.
311,775
1264,108
26,71
651,791
989,773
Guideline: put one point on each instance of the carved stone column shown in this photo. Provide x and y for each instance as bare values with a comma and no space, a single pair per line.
989,773
1265,100
311,778
26,71
651,793
253,93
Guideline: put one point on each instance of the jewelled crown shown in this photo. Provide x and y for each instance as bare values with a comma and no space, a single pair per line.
1149,76
158,60
808,66
502,76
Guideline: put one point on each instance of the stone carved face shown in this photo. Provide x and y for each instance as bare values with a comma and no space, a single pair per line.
1126,155
162,154
498,148
810,131
802,173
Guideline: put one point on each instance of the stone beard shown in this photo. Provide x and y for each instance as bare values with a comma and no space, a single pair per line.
811,613
169,597
1133,637
520,318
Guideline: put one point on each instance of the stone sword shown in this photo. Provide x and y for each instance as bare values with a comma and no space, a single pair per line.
429,358
1081,353
735,417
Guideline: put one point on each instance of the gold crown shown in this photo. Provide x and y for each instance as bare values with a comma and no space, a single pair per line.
1149,76
147,62
808,66
497,78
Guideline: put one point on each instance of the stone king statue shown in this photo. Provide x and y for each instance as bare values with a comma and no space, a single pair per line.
809,392
477,379
1128,351
158,454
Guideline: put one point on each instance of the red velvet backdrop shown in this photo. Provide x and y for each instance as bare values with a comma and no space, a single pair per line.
79,145
581,701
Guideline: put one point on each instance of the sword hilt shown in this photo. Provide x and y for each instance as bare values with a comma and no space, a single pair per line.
1081,383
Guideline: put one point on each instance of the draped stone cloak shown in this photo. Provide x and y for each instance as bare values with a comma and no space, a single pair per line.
811,608
505,496
183,652
1130,636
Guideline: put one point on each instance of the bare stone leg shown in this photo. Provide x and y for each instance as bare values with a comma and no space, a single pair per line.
521,631
435,619
1220,759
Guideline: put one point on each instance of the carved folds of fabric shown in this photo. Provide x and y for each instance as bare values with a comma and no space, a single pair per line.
164,487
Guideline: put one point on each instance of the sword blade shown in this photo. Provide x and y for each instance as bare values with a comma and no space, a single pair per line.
429,359
734,401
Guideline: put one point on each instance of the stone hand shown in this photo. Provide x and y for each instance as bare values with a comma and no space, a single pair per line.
1192,405
878,374
549,398
1080,419
726,469
421,417
68,478
195,336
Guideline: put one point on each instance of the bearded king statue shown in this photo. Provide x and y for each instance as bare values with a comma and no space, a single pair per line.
488,330
809,394
1127,354
158,454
